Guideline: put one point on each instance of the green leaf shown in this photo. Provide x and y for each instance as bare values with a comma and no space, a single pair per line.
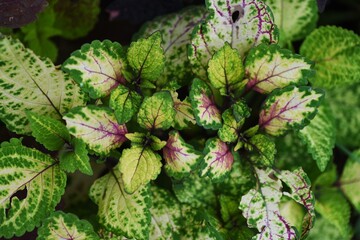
324,229
226,71
218,160
270,67
176,32
184,113
332,206
76,19
38,176
319,136
98,67
138,166
229,208
229,130
244,24
262,149
350,181
157,112
293,212
125,103
62,225
295,19
30,84
76,159
241,111
181,158
48,131
336,53
287,108
156,144
136,138
97,127
120,212
147,58
202,101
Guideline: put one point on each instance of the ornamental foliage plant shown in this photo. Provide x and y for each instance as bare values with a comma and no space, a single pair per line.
208,126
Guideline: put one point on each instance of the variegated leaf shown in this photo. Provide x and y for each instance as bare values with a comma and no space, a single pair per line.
270,67
262,150
181,158
120,212
184,113
229,131
97,67
218,160
28,83
290,107
243,24
97,127
205,110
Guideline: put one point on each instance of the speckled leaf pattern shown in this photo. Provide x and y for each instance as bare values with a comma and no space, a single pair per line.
229,130
262,150
62,225
176,32
319,136
243,24
28,83
261,209
157,111
295,19
147,58
184,114
28,171
336,53
97,127
48,131
226,71
120,212
350,180
125,103
205,110
287,108
241,111
181,158
138,166
270,67
300,187
97,67
218,159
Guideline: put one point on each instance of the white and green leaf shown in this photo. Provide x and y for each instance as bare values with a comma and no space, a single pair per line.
97,127
270,67
184,113
288,108
28,83
98,67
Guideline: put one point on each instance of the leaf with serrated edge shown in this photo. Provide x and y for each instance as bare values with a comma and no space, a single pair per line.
300,187
138,165
202,101
319,136
181,158
270,67
125,103
30,84
263,150
254,25
261,209
97,67
157,111
336,53
176,32
48,131
287,108
184,113
229,131
295,19
241,111
26,169
146,57
62,225
218,160
120,212
226,71
97,127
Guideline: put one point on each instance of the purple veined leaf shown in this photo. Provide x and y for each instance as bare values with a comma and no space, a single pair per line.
181,158
97,127
16,13
218,159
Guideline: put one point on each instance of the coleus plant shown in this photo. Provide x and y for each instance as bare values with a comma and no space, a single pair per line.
187,122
